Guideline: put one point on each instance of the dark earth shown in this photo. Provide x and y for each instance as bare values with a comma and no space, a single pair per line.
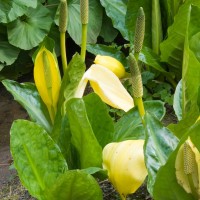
10,187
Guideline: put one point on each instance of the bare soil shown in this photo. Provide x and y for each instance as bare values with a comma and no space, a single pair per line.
10,187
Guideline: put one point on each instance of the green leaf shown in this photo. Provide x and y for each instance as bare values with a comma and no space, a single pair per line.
8,53
74,21
10,10
108,32
27,95
83,137
107,51
70,81
99,118
166,186
177,105
37,159
172,47
76,185
191,66
116,10
159,144
148,57
29,30
131,16
130,126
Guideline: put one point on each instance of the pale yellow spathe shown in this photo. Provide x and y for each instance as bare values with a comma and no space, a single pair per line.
125,164
108,86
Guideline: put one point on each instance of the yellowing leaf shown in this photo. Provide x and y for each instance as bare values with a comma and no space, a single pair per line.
47,79
107,85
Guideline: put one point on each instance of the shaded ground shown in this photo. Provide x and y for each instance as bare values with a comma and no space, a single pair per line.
10,187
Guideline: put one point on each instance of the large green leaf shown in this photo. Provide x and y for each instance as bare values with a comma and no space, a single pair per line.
10,10
116,10
8,53
29,30
130,125
83,137
75,185
100,120
70,81
191,66
108,32
172,47
27,95
177,104
74,21
37,158
131,17
159,144
166,186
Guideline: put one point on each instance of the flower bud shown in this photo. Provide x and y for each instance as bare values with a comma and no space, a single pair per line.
111,63
47,79
125,164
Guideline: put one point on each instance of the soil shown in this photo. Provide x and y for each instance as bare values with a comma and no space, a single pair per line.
10,187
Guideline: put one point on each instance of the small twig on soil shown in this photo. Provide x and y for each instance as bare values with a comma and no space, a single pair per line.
4,164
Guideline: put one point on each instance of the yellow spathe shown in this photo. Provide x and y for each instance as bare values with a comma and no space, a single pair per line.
47,79
188,168
125,164
111,63
108,86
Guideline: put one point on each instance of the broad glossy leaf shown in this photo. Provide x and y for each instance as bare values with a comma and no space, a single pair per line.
74,185
99,119
116,10
10,10
37,158
131,16
177,105
83,138
70,81
172,47
159,144
107,51
191,66
27,95
130,126
8,53
108,32
29,30
166,186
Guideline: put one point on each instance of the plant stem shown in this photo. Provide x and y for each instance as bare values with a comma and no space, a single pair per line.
84,41
140,105
63,51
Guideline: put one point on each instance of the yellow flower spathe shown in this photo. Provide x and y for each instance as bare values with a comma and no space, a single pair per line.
111,63
107,85
47,79
187,166
125,164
